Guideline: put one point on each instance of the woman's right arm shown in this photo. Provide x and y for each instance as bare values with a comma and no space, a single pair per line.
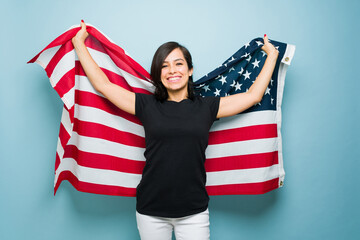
122,98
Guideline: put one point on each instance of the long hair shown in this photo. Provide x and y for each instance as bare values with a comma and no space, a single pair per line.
160,55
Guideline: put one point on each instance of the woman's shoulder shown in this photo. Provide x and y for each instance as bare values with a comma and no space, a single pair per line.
207,99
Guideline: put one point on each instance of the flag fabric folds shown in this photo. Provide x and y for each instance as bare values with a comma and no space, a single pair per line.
100,147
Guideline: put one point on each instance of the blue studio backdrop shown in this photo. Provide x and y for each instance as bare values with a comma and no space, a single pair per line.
320,130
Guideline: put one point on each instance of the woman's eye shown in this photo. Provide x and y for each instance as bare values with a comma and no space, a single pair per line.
179,64
163,66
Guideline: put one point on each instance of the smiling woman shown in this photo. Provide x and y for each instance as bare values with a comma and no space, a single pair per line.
171,194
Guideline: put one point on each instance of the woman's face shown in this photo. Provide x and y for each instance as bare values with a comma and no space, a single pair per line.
175,72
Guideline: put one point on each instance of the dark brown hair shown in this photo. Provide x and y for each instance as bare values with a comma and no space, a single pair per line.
160,55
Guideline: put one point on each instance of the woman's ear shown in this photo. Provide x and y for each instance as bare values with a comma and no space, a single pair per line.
191,72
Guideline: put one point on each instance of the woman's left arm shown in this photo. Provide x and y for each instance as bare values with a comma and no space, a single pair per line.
234,104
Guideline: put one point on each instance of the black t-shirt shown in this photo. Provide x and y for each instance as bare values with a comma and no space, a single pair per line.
176,136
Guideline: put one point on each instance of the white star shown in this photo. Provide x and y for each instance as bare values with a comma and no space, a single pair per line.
232,59
271,81
217,92
238,86
241,71
259,43
219,76
264,53
247,75
233,84
245,55
248,59
223,80
272,101
258,104
247,45
267,91
255,63
225,64
232,69
201,85
206,88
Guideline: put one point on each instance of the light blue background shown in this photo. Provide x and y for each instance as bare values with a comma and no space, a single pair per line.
320,199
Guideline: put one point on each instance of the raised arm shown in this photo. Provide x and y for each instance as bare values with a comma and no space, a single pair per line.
122,98
234,104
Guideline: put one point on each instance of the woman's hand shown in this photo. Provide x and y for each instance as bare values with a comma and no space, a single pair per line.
268,47
239,102
81,35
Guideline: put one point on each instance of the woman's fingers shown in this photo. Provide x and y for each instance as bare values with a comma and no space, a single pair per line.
83,25
268,47
82,34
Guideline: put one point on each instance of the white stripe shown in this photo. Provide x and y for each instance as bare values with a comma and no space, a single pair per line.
289,54
60,149
242,176
82,83
46,56
102,146
244,120
242,148
104,61
95,115
69,98
66,122
98,176
66,63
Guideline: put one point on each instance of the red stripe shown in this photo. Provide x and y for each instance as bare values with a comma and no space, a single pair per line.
93,188
119,54
68,35
244,188
95,41
231,189
63,50
101,161
114,78
92,100
71,113
243,134
57,161
63,135
66,83
97,130
241,162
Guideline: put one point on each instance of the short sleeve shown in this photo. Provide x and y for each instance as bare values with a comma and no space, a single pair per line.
213,103
141,100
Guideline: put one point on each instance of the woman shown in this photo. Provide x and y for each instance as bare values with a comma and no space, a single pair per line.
171,194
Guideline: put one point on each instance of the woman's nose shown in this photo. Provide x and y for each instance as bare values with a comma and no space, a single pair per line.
172,68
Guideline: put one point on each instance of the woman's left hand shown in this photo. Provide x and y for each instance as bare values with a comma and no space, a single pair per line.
268,47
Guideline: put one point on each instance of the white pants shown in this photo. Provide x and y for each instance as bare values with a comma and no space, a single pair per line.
193,227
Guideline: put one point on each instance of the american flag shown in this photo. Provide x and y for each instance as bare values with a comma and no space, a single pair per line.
100,147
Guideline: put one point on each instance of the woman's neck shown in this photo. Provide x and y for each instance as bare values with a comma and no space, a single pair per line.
177,96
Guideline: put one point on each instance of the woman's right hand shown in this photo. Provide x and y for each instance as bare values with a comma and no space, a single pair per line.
81,35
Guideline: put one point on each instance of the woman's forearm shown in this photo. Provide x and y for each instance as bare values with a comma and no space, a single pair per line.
96,76
259,86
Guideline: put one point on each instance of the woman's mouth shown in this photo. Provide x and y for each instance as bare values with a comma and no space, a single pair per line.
174,79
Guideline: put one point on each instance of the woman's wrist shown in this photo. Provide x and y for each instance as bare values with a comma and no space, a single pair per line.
77,42
273,54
